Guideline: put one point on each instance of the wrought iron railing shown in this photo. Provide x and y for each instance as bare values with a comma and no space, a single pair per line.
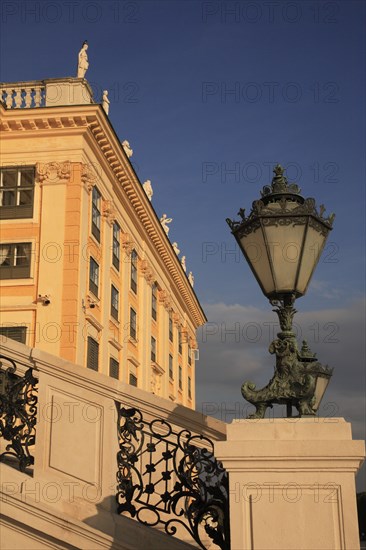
169,479
18,413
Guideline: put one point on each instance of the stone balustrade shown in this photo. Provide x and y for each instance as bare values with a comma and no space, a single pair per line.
71,487
50,92
18,95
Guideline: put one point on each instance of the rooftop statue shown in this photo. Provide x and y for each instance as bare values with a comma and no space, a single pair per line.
83,60
175,248
105,102
191,278
126,146
164,220
148,189
183,262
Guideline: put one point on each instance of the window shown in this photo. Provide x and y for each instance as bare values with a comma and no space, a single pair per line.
180,341
94,277
153,349
189,355
189,387
93,354
171,372
133,324
15,261
154,302
114,302
116,245
170,329
113,368
14,333
96,198
134,271
133,380
180,383
16,193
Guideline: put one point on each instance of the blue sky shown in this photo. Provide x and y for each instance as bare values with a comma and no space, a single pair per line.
210,95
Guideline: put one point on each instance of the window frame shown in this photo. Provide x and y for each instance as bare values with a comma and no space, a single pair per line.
93,286
96,213
133,324
153,349
13,272
113,364
133,273
16,210
22,330
89,358
116,245
171,330
114,309
171,367
154,302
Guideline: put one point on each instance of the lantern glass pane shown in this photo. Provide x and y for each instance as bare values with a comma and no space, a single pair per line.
313,247
256,253
320,388
284,247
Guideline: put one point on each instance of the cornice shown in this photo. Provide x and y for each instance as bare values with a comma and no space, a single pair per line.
91,118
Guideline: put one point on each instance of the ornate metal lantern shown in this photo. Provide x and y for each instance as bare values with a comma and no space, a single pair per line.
282,240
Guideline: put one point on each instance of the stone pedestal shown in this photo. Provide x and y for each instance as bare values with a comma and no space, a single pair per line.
67,91
292,483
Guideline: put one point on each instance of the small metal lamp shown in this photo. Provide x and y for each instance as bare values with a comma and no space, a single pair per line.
282,240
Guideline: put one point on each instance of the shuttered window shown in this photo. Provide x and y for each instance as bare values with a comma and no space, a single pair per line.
14,333
93,354
133,379
170,329
180,381
189,387
154,302
113,368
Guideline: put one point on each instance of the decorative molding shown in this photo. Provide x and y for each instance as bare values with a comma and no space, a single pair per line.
176,319
147,271
53,172
127,243
109,211
88,177
93,321
165,299
115,343
184,336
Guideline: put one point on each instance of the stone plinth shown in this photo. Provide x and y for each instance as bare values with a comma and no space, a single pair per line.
292,483
67,91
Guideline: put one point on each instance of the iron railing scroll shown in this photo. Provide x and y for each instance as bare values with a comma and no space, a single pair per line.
169,479
18,413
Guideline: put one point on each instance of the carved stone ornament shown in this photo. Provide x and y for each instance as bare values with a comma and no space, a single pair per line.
109,211
127,243
147,271
88,177
176,319
54,172
165,299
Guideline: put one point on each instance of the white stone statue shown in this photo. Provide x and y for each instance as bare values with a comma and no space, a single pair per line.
175,248
105,102
83,61
126,146
183,262
148,189
164,220
191,278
